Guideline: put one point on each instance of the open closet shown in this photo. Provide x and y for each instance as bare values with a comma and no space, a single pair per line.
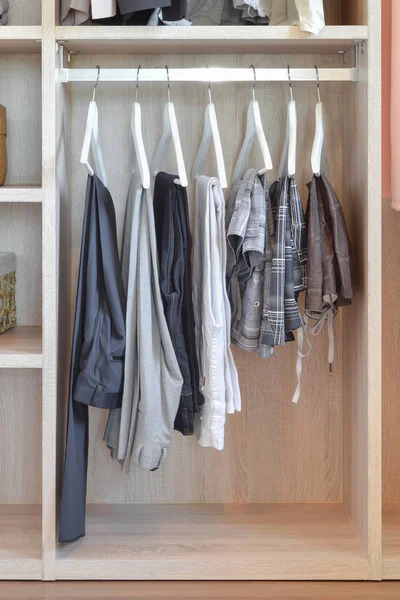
296,492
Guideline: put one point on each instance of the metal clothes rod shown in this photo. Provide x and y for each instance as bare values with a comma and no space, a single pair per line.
204,75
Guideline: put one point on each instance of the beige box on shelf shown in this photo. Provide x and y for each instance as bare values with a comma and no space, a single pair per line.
8,310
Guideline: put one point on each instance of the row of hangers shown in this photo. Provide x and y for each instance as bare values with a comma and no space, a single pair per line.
170,132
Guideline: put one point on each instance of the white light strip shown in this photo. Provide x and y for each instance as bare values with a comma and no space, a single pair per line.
213,74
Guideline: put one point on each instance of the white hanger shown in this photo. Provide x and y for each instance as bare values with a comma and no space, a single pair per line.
210,134
170,130
318,145
254,129
288,160
91,139
139,159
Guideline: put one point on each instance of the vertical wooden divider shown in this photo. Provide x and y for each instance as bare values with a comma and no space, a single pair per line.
50,296
374,175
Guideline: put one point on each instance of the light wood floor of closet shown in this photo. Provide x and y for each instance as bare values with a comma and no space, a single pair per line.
157,541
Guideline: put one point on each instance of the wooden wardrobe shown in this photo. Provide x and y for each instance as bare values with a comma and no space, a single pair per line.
297,492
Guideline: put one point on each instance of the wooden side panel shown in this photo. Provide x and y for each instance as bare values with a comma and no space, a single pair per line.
362,322
20,434
391,354
20,93
375,292
355,318
20,232
63,176
50,242
275,451
355,12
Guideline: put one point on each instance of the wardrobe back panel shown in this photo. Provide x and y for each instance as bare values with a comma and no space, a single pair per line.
333,12
20,434
355,12
25,12
275,451
21,94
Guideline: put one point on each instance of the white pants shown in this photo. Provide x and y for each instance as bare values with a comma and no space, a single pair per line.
218,375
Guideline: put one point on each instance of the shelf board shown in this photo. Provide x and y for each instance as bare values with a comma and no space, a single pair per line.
20,39
21,193
391,541
21,348
215,541
208,39
20,542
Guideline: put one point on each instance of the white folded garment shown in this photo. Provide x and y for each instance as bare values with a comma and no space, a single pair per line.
103,9
308,14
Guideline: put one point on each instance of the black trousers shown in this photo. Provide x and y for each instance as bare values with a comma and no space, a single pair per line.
174,244
138,12
98,348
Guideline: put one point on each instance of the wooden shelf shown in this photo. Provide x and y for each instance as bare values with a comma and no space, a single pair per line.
21,348
391,541
21,193
215,541
20,542
20,39
238,39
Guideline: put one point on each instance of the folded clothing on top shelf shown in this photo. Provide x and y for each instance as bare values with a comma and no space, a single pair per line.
124,12
4,6
308,14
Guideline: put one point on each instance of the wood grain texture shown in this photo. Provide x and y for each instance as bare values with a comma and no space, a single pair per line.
362,321
374,367
21,347
25,12
215,542
300,446
20,434
216,590
50,241
391,353
20,93
355,12
63,195
208,39
23,39
20,232
355,318
333,12
391,541
20,193
20,542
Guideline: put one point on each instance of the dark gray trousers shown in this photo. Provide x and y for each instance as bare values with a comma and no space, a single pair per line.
98,348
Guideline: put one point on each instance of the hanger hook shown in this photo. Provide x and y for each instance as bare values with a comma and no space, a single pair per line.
254,81
137,83
209,84
290,82
318,92
97,81
169,83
